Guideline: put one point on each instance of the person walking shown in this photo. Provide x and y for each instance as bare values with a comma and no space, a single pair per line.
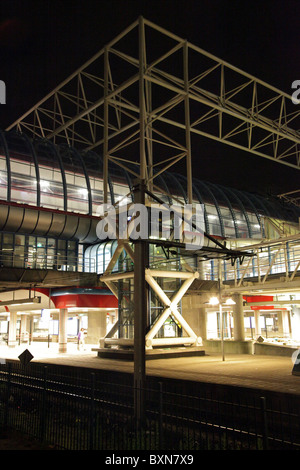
81,342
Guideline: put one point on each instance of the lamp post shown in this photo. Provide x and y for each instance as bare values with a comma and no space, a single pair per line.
218,301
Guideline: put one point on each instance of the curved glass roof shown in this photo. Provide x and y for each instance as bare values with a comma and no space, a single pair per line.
59,177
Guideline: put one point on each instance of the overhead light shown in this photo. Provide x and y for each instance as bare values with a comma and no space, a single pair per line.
44,184
214,301
230,302
83,191
28,301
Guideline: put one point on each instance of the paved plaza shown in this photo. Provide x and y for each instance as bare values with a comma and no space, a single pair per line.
264,372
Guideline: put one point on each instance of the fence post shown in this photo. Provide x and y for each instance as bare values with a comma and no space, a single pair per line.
264,422
43,407
161,437
7,395
92,411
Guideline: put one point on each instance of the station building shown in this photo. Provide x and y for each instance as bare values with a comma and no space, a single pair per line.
49,197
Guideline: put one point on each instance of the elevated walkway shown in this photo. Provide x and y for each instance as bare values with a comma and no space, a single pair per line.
16,278
275,266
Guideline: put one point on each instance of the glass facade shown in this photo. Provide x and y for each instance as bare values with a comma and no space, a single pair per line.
97,257
26,251
60,178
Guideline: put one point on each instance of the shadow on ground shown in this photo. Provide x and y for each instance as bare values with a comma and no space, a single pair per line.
14,440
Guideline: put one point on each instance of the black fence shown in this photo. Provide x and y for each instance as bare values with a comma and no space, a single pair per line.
83,409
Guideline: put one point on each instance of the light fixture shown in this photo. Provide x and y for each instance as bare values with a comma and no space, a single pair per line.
229,302
214,301
83,191
28,301
44,184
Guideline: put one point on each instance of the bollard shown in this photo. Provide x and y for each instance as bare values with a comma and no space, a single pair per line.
264,423
92,412
43,406
161,437
6,415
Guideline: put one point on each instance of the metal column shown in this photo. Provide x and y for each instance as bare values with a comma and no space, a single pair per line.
140,318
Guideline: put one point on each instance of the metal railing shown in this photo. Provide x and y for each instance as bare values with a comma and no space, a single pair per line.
54,262
83,409
281,258
277,258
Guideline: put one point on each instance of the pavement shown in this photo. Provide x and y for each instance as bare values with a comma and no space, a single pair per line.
273,373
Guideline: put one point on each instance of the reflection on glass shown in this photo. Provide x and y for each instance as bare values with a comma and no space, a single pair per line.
37,252
51,179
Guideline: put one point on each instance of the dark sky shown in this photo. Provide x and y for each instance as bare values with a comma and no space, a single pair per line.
44,41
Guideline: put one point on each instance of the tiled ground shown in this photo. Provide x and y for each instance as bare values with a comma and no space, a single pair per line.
264,372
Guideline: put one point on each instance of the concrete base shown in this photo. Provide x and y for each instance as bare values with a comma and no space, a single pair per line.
272,349
156,353
248,347
230,346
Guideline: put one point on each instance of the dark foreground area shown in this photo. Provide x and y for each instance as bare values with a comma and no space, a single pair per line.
81,402
16,440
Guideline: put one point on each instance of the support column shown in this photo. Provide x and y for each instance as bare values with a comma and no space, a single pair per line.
257,323
202,323
202,312
227,323
12,330
279,323
105,129
62,332
140,297
24,328
140,317
195,316
187,124
286,323
238,318
96,327
285,332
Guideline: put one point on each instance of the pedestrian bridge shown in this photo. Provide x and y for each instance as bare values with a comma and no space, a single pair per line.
275,265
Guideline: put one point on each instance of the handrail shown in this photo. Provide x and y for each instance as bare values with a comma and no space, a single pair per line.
57,262
281,259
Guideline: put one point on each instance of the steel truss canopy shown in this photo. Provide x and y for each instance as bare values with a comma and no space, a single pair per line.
143,96
292,197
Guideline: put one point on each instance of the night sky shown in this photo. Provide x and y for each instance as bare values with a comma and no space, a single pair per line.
43,41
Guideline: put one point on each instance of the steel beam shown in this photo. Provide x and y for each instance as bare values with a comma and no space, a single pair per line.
152,105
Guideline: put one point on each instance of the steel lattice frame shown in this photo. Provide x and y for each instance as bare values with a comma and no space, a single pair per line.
140,100
291,197
142,97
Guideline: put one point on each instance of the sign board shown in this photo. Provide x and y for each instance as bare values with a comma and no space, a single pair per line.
25,357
